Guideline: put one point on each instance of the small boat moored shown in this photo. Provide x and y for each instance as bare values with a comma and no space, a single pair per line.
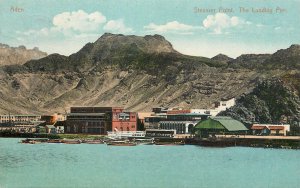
71,141
144,141
169,143
34,140
55,141
120,143
92,141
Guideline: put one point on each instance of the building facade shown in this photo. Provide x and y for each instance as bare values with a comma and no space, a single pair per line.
183,123
19,119
124,121
183,120
270,129
152,120
52,119
19,122
99,120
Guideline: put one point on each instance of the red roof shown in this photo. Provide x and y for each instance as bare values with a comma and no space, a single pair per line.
276,127
258,127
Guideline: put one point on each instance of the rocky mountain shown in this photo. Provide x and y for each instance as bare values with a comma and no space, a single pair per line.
135,72
222,58
250,61
285,58
110,49
282,59
271,101
18,55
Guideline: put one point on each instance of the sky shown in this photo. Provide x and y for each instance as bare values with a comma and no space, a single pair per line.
194,27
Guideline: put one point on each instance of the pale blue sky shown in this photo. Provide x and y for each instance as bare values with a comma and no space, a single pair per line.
65,26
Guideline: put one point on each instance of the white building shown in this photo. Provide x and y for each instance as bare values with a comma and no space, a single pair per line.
183,120
219,107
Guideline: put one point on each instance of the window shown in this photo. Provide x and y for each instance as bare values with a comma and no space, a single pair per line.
207,112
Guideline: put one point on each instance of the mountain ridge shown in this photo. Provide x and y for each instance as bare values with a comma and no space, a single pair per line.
18,55
128,71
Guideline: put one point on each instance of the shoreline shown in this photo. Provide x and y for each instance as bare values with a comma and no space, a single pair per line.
283,142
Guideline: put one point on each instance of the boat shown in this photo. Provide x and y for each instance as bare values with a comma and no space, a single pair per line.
55,141
120,143
144,141
34,140
169,143
93,141
71,141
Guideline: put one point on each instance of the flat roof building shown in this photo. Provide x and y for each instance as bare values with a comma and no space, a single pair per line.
183,123
19,118
99,120
270,129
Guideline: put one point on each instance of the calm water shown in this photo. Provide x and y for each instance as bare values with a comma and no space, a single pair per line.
84,165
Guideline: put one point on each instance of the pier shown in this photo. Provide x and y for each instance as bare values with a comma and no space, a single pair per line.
287,142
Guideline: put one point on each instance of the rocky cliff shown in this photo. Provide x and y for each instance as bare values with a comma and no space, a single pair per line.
271,101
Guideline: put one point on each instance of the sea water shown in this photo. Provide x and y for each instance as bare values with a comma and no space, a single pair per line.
99,165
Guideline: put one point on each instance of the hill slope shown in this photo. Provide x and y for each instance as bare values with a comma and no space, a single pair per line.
18,55
135,72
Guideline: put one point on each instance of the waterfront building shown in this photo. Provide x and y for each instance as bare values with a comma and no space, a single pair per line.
19,128
18,118
142,115
19,122
270,129
160,110
49,119
60,127
52,119
217,108
50,129
41,129
99,120
152,122
124,121
88,120
219,125
223,105
60,117
260,130
158,114
57,122
182,122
